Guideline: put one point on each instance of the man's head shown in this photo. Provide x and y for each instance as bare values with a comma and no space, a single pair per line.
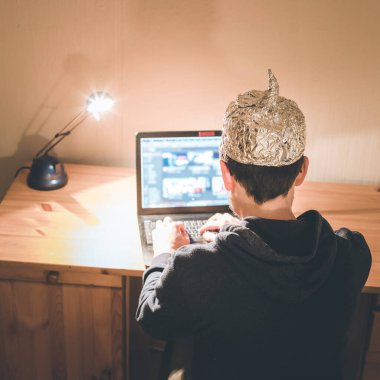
263,143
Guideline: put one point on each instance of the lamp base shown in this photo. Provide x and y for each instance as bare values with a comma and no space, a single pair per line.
47,173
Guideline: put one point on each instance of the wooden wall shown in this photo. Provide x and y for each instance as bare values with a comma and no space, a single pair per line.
175,64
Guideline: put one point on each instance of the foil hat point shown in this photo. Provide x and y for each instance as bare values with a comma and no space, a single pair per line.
273,92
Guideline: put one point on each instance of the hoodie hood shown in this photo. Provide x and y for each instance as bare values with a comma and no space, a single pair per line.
288,260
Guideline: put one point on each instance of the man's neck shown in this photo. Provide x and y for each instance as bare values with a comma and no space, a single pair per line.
279,208
278,213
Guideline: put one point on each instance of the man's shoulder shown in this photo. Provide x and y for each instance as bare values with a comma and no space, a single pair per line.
353,240
353,246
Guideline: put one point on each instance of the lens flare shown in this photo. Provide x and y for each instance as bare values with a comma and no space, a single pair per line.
99,102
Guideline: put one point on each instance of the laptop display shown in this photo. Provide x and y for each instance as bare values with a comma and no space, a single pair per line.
178,175
179,171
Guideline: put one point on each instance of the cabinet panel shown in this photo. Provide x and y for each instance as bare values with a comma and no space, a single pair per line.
372,367
60,331
374,345
93,331
24,331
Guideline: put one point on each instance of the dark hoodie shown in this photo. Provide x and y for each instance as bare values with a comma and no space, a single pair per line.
269,299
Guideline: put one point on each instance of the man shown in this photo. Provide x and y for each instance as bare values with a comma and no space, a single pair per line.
271,296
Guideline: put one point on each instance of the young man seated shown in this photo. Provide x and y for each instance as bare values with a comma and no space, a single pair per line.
271,295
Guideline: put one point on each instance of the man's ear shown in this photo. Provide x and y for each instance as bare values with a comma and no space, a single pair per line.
302,174
228,179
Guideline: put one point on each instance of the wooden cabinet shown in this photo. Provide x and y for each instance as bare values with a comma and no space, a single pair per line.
55,326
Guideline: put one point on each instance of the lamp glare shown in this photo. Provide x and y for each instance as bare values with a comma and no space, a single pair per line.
99,102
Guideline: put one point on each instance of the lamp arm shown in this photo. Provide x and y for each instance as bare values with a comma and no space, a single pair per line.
59,136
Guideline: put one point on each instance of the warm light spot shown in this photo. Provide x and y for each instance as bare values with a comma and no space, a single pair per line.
99,102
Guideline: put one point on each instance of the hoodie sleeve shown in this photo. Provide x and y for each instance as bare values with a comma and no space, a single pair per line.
162,310
361,253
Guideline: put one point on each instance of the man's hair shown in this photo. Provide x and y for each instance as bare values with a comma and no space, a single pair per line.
263,183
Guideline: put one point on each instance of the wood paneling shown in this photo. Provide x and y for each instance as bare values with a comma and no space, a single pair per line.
60,331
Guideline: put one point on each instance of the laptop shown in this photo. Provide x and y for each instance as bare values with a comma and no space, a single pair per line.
178,175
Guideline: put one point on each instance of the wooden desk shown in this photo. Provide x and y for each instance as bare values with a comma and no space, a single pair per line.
70,269
71,262
90,223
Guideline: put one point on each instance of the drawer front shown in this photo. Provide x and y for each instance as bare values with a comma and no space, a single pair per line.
55,275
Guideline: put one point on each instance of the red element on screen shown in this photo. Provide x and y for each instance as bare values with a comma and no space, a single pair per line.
206,133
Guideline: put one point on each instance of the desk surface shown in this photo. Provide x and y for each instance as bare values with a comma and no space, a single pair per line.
91,223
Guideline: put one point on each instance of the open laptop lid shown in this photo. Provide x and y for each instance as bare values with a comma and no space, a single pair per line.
178,172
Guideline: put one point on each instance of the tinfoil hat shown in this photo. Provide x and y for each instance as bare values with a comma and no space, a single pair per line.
263,128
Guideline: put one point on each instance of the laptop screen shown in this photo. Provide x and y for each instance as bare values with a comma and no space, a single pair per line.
180,171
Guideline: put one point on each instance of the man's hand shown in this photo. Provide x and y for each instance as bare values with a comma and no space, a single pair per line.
168,236
213,225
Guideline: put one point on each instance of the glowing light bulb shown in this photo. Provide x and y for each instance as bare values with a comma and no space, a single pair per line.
99,102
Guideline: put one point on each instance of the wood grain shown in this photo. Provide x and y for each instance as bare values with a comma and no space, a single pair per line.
91,223
57,328
53,332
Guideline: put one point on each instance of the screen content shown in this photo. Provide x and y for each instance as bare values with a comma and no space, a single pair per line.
181,172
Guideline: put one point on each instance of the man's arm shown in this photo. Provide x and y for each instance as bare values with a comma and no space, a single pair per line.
163,311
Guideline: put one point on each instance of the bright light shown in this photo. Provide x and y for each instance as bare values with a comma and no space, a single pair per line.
99,102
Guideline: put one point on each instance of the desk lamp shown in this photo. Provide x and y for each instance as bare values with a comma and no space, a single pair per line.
47,172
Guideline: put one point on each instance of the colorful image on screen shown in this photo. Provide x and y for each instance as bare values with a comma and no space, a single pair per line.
181,172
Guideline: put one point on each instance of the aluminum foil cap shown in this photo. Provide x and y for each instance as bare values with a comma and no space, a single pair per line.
263,128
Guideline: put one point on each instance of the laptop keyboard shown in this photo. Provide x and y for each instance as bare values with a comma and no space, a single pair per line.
191,226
